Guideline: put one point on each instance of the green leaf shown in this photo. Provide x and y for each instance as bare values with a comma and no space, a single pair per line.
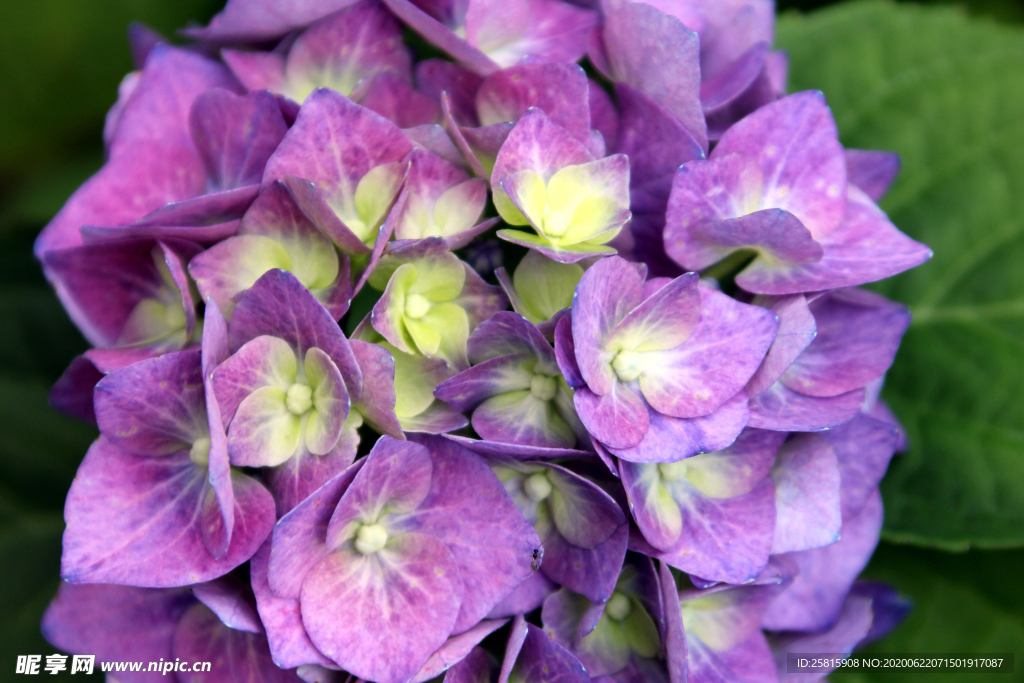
962,604
947,93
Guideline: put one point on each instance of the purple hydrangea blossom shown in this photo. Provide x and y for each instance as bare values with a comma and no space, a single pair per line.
776,183
329,451
387,552
485,35
206,624
155,502
646,386
514,389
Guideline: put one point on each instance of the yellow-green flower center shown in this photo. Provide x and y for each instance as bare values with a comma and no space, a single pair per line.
672,471
618,607
371,538
627,365
537,487
200,453
543,387
299,398
416,306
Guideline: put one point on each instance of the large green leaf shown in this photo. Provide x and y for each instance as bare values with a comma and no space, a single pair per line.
947,93
962,604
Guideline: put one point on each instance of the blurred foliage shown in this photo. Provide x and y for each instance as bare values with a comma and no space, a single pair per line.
60,63
894,86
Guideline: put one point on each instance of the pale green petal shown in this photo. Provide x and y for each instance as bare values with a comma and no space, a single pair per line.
458,208
414,388
546,286
425,336
439,278
452,325
374,195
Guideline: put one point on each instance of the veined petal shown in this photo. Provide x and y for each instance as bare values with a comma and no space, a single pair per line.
689,380
442,199
864,247
582,512
656,53
540,655
669,439
155,406
538,144
395,480
330,403
275,214
289,643
707,192
152,135
591,572
663,321
508,333
521,418
619,419
814,600
605,295
777,236
858,336
302,474
378,401
135,520
264,433
782,409
334,144
234,265
657,144
723,539
299,541
797,146
343,48
560,89
797,329
263,362
863,446
548,29
456,649
278,305
807,493
235,135
406,595
494,554
469,388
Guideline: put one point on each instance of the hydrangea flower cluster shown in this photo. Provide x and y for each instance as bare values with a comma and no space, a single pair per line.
339,440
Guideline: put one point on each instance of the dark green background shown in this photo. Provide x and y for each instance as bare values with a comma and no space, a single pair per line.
60,63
